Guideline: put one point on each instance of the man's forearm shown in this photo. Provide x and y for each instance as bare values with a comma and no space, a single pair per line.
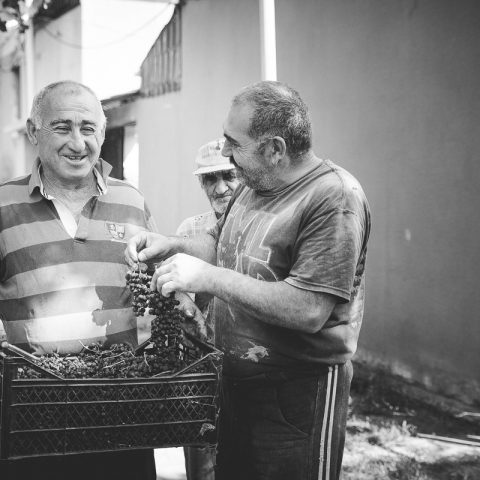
202,246
276,303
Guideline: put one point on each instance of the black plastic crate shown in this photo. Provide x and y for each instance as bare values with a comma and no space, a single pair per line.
51,416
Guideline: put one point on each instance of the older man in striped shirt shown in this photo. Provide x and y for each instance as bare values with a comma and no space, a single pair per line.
63,230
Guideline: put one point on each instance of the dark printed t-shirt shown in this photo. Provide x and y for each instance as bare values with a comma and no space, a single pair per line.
313,235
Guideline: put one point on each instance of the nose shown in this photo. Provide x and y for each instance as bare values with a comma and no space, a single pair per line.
221,186
77,142
226,150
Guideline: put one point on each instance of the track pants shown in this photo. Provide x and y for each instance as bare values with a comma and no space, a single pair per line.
284,425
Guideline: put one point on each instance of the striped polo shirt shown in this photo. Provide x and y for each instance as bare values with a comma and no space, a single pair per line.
59,292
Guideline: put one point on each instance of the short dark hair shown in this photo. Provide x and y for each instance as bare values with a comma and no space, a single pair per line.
278,110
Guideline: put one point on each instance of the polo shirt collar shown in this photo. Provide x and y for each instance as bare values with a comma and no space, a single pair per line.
101,171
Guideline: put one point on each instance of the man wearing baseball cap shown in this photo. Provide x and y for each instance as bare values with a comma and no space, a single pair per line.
218,179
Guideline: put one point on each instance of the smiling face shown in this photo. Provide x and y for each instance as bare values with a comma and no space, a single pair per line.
70,136
245,152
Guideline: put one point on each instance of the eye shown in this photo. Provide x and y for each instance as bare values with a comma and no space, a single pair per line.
88,130
209,178
61,129
230,176
230,143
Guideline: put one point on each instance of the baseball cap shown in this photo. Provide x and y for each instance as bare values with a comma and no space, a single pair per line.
210,159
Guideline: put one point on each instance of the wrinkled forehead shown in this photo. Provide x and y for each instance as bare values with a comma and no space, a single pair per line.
74,104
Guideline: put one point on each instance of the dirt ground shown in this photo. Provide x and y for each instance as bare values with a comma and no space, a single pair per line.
384,435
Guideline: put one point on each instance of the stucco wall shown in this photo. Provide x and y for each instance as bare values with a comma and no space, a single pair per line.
393,90
220,56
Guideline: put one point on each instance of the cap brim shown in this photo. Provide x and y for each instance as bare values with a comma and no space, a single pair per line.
214,168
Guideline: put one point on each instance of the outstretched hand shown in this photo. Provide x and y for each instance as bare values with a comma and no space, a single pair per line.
145,247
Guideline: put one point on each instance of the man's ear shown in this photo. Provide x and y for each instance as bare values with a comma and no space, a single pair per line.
32,132
279,150
102,133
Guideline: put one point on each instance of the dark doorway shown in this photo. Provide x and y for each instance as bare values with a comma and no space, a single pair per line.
112,151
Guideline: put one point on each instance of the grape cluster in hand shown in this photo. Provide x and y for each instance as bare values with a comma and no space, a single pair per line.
165,352
167,339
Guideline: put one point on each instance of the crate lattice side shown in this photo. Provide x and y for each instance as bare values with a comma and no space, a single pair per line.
44,416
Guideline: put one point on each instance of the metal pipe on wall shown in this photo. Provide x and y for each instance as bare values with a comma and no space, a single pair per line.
268,39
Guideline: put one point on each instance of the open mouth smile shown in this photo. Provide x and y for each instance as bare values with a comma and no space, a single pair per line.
75,158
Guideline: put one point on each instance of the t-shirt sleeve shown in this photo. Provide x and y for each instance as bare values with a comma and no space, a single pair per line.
328,248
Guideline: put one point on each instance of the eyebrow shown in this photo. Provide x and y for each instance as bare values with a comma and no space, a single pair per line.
69,122
229,138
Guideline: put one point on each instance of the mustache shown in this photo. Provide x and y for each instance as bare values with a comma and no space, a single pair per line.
233,162
225,195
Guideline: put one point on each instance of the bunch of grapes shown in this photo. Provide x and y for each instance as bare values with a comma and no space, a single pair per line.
167,338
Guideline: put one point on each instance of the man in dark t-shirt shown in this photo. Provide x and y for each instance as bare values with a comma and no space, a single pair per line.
286,266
